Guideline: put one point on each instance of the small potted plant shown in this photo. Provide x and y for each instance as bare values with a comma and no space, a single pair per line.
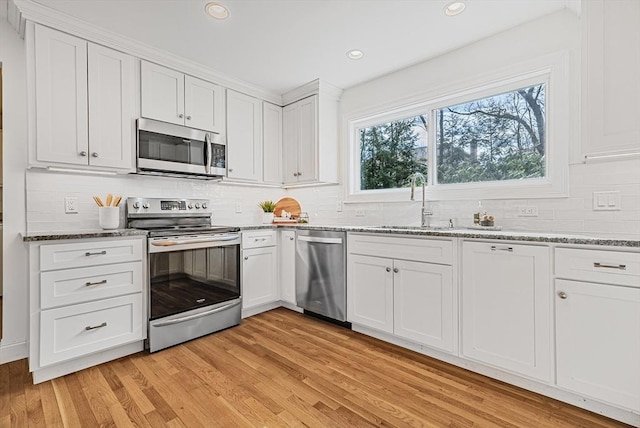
267,208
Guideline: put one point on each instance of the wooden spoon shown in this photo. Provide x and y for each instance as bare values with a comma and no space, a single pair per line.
117,200
109,199
98,201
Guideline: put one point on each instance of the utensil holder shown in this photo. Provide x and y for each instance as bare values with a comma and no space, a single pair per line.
109,217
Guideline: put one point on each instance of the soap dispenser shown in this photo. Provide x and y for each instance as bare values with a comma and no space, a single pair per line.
477,213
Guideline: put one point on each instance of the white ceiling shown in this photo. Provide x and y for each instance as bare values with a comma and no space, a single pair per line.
281,44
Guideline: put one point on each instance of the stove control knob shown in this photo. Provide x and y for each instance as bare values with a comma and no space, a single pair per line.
145,205
197,205
136,205
204,205
189,206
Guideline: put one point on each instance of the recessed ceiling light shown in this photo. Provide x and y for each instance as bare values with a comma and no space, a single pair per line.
355,54
454,8
217,10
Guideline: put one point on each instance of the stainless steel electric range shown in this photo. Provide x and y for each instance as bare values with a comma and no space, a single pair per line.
193,269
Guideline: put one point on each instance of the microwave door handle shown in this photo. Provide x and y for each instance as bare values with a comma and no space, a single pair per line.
208,154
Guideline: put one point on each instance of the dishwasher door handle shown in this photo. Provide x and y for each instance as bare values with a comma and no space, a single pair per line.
320,240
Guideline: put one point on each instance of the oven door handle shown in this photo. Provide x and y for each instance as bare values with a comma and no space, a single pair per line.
193,241
200,315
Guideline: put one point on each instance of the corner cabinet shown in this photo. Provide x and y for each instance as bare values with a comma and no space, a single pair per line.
170,96
87,303
310,135
272,143
507,307
403,286
84,103
244,137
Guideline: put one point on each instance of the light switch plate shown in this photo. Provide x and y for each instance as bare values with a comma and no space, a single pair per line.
360,213
606,201
528,211
339,206
238,207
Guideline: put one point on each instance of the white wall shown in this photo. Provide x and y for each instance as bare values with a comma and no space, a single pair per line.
574,214
46,192
14,108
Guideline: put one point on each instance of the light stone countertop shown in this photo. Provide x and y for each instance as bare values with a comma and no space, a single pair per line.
83,234
505,235
395,230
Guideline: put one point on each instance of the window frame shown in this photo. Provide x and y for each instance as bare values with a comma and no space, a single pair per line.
553,72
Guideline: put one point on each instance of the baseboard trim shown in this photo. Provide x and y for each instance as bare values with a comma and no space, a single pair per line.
13,352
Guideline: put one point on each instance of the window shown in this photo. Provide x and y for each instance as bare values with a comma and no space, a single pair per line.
501,137
391,151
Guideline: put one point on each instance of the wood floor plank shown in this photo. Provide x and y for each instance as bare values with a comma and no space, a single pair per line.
279,369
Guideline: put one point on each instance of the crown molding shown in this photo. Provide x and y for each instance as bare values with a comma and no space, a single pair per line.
38,13
14,16
312,88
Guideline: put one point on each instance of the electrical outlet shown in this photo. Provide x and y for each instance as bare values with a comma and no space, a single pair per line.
238,207
529,211
339,206
71,205
360,213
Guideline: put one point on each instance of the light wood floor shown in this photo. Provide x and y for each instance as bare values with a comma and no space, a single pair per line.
278,369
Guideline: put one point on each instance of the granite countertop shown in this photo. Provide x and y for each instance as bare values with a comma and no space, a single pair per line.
83,234
395,230
467,233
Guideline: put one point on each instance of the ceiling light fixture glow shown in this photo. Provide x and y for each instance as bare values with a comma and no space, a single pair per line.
355,54
217,10
454,8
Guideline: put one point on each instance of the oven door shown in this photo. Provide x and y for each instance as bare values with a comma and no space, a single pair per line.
186,276
194,287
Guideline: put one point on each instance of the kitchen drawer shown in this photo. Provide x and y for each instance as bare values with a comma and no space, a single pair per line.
610,267
258,238
71,286
81,254
75,331
417,249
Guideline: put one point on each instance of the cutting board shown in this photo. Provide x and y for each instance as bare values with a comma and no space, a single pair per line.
289,205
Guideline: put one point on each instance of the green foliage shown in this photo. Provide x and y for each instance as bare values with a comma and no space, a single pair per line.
267,206
389,153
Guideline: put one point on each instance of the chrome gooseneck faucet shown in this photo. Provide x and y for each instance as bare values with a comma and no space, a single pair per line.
424,213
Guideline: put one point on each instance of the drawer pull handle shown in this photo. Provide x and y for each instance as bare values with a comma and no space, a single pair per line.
100,253
89,284
89,327
600,265
259,239
509,249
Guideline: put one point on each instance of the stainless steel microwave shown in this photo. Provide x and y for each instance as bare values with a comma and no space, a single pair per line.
174,150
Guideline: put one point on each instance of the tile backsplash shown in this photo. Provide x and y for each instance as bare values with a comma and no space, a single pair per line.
574,215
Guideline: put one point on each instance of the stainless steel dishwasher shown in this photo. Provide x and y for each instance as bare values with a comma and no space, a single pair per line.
321,280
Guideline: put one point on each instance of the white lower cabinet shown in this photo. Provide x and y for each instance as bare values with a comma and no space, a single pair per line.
506,307
598,341
287,262
86,299
259,270
410,299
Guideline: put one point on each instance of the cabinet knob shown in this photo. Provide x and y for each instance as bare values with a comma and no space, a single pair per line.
388,269
295,174
396,270
299,174
181,116
246,257
188,117
94,154
562,295
230,169
291,238
83,153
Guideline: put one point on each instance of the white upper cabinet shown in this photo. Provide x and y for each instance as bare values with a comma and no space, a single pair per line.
244,137
111,107
170,96
610,86
506,307
84,103
310,135
272,143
